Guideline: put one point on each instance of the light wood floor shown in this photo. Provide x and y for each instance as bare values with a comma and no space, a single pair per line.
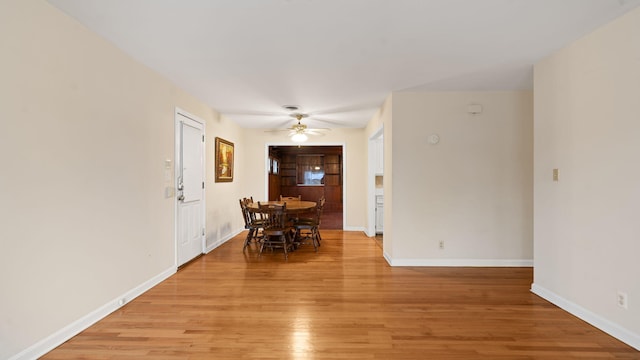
343,302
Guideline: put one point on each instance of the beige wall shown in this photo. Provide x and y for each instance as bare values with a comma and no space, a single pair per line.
587,233
84,134
473,190
223,211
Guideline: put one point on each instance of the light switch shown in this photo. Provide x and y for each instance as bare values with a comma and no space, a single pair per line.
555,174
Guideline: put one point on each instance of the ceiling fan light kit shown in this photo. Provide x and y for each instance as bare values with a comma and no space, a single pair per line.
299,132
299,137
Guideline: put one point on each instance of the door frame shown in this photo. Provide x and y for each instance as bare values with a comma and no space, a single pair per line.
344,172
371,181
177,145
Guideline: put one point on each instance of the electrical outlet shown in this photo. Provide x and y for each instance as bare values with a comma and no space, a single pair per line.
623,300
441,245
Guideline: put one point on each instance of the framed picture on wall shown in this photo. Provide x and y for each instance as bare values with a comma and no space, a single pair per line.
224,160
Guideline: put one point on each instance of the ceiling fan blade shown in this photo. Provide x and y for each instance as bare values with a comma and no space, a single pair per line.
318,119
314,133
326,121
283,123
277,130
347,109
252,113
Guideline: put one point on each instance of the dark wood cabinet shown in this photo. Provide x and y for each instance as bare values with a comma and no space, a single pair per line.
333,181
287,171
295,160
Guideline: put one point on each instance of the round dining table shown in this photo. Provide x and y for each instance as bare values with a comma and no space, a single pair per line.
293,206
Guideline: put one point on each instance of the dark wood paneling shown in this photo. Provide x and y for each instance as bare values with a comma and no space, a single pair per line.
332,189
332,180
332,159
332,168
287,172
311,193
280,151
333,194
274,187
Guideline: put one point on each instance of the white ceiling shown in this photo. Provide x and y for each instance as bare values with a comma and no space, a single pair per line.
338,59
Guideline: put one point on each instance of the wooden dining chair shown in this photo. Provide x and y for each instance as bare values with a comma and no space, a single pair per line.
276,232
310,226
291,198
285,198
252,222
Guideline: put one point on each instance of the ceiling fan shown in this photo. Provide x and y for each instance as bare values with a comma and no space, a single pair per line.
298,132
316,117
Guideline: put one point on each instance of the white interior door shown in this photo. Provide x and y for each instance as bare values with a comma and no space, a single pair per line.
190,188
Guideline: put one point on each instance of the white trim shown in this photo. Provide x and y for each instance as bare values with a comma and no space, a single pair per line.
371,182
57,338
626,336
176,158
221,241
387,257
354,228
461,262
344,187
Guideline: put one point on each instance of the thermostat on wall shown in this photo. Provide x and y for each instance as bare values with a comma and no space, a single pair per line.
434,139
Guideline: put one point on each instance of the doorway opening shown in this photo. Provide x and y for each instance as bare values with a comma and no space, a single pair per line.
375,227
311,172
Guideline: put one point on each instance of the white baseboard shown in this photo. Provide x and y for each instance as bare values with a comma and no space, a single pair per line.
387,257
461,262
352,228
222,240
54,340
611,328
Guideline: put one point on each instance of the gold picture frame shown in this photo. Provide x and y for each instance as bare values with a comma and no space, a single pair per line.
224,160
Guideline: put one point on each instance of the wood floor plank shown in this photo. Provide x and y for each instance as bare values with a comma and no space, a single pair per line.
343,302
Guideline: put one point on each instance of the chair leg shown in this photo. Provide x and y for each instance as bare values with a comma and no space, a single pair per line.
319,237
264,239
285,245
296,236
248,239
314,238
